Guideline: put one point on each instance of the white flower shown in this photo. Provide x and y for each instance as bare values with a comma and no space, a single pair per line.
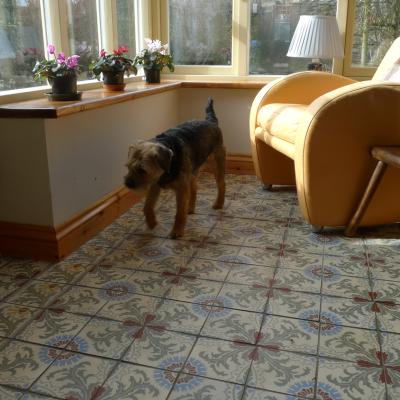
154,46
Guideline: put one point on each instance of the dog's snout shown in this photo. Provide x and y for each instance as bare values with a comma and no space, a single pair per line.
130,183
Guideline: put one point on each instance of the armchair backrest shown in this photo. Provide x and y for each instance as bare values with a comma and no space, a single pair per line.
389,68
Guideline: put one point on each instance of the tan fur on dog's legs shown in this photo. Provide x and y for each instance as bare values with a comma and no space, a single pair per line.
193,193
219,173
182,207
151,200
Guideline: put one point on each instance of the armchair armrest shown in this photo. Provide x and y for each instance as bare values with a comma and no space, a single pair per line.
332,149
298,88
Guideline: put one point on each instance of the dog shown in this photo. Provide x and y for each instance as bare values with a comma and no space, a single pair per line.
172,160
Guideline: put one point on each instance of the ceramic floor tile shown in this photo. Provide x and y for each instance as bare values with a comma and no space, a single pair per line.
149,283
390,357
250,274
100,276
134,307
37,294
349,344
14,317
22,363
158,348
180,316
185,288
74,376
225,236
308,242
283,371
388,291
105,338
228,361
343,246
244,297
258,394
167,264
350,312
388,317
137,382
289,303
65,272
354,265
197,387
233,325
309,281
77,299
23,269
346,380
53,328
35,396
218,252
267,256
10,394
297,259
9,285
122,258
345,286
255,236
209,269
289,334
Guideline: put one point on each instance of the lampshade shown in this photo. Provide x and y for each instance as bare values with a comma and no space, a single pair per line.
316,36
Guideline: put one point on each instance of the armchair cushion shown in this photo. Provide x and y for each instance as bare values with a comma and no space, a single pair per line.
281,120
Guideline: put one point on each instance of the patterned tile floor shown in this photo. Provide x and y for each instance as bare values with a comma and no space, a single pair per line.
248,306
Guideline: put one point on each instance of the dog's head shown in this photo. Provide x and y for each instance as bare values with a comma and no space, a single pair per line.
147,161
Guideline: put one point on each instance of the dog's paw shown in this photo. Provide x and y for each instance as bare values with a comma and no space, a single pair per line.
218,206
151,223
174,234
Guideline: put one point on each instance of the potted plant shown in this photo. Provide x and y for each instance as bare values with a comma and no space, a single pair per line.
61,73
154,59
113,66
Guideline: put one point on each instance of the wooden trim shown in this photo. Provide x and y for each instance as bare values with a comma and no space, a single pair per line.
98,98
55,243
49,243
239,164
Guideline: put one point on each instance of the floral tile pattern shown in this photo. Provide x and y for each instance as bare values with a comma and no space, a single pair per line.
248,305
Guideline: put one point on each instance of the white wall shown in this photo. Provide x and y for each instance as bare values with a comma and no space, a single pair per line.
24,177
52,169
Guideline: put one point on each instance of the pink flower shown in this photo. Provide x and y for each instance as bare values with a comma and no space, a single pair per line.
103,53
123,49
61,58
118,52
51,48
72,62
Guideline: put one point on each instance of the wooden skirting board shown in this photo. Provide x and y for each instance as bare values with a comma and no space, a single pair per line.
55,243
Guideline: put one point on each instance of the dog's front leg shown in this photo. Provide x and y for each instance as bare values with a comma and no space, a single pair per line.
182,207
151,200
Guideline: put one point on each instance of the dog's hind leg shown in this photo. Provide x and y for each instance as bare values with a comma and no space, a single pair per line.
151,200
219,173
193,193
182,193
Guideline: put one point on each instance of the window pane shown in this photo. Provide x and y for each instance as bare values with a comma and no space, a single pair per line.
83,33
200,31
126,25
377,24
21,42
272,27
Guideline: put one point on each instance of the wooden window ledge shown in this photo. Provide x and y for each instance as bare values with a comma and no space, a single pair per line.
98,98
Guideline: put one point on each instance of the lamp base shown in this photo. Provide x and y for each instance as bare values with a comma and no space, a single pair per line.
314,66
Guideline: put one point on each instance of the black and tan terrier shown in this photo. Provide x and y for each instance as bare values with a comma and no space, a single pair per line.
172,160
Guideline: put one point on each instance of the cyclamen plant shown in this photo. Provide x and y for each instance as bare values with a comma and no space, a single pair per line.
56,66
156,56
116,62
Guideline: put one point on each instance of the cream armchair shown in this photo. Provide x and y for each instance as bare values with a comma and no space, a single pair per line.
315,130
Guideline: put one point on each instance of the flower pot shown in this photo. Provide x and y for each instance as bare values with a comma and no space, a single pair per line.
113,81
152,75
63,85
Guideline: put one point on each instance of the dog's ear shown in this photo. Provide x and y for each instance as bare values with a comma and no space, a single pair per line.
164,157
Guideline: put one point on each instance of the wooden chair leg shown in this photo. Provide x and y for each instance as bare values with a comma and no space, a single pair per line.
366,199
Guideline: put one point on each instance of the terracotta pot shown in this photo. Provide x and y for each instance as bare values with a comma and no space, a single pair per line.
113,81
152,75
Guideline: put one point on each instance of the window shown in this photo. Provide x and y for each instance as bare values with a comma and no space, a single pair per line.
377,24
126,25
272,27
200,32
83,32
21,42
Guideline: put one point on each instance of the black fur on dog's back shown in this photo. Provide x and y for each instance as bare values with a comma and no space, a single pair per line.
194,140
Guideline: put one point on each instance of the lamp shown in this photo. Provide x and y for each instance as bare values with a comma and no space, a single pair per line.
316,37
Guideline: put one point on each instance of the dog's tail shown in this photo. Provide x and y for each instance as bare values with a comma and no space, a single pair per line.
210,113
